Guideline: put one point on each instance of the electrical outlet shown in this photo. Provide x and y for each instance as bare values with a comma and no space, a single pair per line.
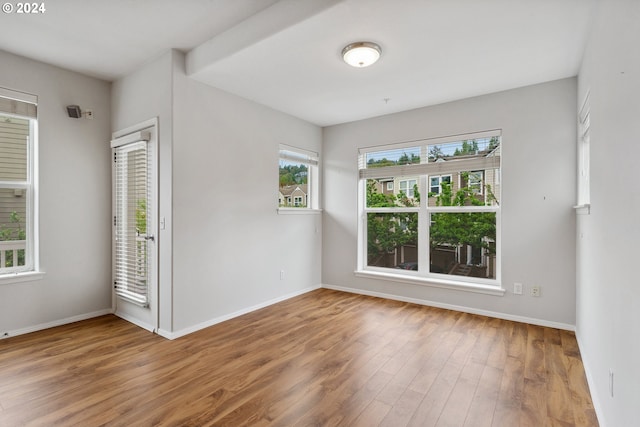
517,288
281,274
535,291
88,114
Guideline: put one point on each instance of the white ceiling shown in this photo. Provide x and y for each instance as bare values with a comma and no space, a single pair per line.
286,53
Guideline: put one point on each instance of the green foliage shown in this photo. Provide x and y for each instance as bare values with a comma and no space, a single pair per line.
435,153
141,216
389,230
404,159
293,174
462,228
468,147
13,232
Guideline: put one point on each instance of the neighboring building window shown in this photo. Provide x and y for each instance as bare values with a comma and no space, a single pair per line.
18,130
390,186
435,183
452,230
299,182
408,187
474,181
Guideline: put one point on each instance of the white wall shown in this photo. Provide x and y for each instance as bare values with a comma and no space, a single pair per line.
538,222
75,201
229,242
145,94
608,303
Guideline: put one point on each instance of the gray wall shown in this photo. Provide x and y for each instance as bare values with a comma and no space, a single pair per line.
75,202
142,95
230,244
538,192
224,244
608,305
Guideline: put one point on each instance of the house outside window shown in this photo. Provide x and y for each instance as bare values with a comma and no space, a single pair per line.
298,178
474,181
435,183
18,138
451,231
408,187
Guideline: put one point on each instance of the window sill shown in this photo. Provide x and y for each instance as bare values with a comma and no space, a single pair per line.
583,209
496,290
27,276
298,211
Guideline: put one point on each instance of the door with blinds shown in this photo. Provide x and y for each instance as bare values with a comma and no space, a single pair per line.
134,227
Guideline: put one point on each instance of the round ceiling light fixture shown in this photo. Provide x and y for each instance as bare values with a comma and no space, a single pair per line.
361,54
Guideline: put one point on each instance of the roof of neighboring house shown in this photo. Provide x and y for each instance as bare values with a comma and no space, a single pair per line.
287,190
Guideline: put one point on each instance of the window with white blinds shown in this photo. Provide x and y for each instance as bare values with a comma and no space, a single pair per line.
584,148
18,132
132,186
431,208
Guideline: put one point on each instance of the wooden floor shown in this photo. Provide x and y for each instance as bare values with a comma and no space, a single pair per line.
324,359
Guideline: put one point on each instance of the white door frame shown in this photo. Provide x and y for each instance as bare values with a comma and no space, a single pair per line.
145,317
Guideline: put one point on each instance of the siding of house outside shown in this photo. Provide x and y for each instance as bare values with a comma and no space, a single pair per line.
14,134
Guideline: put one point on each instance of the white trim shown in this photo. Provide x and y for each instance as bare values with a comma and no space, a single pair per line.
26,276
298,211
583,209
463,309
18,96
135,321
53,324
130,139
307,155
135,128
191,329
406,277
590,381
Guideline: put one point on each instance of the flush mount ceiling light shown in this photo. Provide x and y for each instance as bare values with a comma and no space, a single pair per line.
361,54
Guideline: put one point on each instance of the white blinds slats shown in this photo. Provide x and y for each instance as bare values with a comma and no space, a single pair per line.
298,155
132,186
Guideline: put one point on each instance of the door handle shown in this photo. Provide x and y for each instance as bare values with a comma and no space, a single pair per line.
145,236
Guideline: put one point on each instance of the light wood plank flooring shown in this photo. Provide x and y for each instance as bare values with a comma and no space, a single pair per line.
325,358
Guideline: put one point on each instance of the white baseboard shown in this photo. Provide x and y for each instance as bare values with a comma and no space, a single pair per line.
135,321
177,334
53,324
590,381
495,314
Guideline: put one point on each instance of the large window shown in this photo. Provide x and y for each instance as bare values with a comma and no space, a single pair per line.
17,146
448,231
298,179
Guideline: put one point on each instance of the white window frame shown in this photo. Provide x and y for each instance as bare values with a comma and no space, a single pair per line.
312,160
423,276
24,106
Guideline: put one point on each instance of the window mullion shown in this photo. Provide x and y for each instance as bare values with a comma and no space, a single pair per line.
423,230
